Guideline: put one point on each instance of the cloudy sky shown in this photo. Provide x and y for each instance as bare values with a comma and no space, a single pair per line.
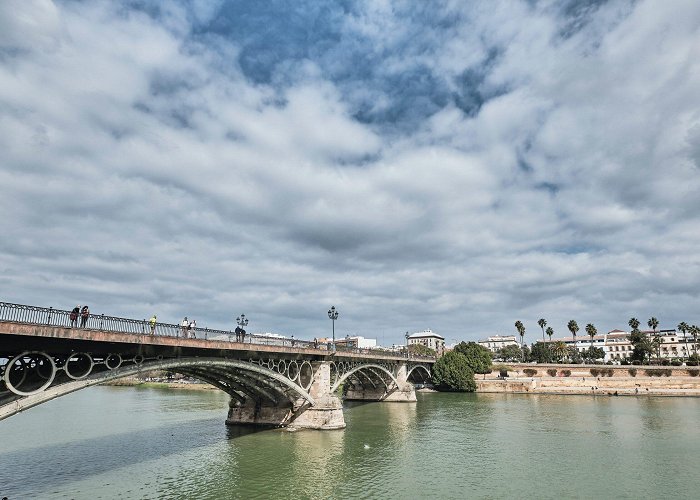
447,165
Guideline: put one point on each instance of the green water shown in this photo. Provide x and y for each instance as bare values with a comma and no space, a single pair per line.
114,442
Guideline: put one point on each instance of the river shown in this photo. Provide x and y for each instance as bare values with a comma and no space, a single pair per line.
137,442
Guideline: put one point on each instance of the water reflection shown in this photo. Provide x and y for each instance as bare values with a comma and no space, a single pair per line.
106,443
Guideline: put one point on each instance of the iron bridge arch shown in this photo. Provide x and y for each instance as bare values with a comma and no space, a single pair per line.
32,378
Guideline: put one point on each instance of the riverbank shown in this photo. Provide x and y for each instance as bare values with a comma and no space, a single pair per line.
593,379
160,384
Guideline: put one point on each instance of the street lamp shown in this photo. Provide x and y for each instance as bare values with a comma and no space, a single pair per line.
333,315
407,344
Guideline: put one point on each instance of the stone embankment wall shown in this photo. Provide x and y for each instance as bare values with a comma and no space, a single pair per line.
612,380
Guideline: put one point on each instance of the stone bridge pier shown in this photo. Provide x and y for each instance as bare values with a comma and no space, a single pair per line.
324,413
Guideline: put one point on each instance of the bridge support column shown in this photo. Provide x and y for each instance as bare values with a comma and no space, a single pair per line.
404,392
253,412
327,413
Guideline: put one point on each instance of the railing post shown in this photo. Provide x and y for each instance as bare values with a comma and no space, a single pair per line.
143,327
48,320
102,318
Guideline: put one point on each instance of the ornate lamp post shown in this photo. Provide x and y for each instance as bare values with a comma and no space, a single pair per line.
407,355
333,315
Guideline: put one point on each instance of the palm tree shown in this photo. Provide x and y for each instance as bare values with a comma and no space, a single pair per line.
591,331
542,322
560,350
653,323
573,328
634,324
695,331
550,332
521,331
683,328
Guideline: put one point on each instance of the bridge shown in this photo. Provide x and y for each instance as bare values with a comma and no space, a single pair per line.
45,353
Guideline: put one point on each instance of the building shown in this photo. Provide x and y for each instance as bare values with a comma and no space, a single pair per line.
617,346
497,342
428,338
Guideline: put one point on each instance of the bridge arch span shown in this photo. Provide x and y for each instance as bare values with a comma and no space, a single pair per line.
369,367
240,379
418,368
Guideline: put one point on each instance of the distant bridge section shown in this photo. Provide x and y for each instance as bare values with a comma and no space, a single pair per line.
44,354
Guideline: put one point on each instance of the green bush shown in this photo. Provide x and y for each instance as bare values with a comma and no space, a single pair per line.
595,372
694,372
636,362
676,362
666,362
609,363
624,362
552,372
530,372
632,372
567,373
691,363
452,373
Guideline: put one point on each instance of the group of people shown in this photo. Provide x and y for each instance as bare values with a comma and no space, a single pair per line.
187,328
240,334
79,312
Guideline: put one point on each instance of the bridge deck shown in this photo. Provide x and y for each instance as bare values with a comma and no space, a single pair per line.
17,337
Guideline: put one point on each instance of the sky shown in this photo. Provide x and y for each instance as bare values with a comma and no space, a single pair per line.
448,165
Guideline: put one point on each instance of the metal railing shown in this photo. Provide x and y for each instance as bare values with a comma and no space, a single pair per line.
48,316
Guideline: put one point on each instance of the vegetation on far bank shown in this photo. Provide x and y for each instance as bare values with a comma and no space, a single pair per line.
455,370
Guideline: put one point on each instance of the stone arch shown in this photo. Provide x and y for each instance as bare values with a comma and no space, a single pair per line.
220,371
350,372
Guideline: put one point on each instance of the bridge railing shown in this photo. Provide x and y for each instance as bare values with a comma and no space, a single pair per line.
49,316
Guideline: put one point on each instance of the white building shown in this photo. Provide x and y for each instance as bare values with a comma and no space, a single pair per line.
428,338
498,342
616,344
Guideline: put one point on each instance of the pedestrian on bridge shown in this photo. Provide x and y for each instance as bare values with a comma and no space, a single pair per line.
74,316
152,322
190,329
183,327
84,315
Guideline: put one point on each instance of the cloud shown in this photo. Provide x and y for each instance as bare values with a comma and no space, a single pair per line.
455,167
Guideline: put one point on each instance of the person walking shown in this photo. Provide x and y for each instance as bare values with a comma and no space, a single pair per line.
74,316
152,322
190,329
84,315
183,327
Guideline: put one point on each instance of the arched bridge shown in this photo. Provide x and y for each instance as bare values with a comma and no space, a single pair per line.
44,354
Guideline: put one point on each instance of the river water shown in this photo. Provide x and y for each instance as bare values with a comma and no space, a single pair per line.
125,442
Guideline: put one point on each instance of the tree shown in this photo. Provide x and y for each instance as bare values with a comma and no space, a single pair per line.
420,350
510,353
683,328
573,328
597,353
633,323
542,322
653,323
478,357
550,332
574,354
541,353
559,350
521,331
591,331
452,373
695,331
641,344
